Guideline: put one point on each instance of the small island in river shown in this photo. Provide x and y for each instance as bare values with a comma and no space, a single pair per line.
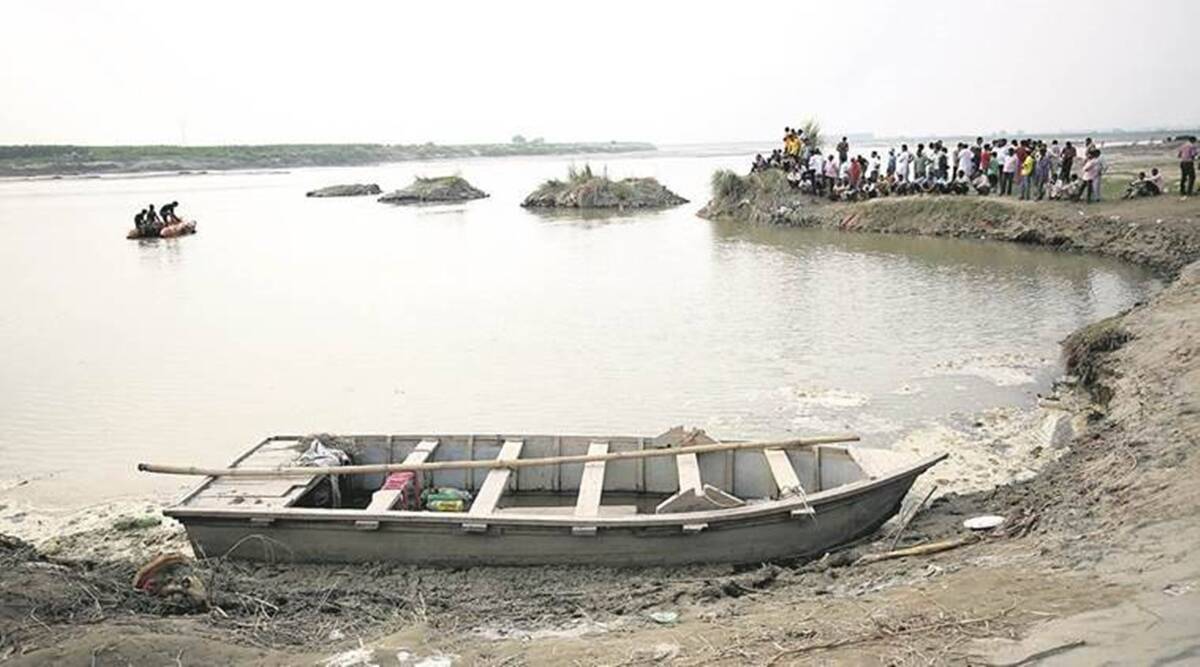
349,190
583,189
443,189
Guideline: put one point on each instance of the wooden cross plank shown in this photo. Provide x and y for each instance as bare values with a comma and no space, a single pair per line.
591,488
785,476
384,499
493,487
688,467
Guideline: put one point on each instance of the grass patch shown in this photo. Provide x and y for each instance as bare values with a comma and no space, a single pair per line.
137,522
1086,347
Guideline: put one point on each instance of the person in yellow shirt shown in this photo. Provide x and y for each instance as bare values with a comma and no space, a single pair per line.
1026,175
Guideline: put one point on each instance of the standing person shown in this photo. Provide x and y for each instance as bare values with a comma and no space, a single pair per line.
1187,167
855,172
1041,172
902,162
876,166
816,164
920,162
831,172
1022,151
1008,173
1068,157
966,163
993,172
1101,167
891,163
1055,156
1026,176
1091,171
843,150
943,164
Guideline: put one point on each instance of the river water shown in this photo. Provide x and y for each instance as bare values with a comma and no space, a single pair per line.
292,315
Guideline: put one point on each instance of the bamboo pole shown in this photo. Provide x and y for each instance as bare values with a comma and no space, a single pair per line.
492,463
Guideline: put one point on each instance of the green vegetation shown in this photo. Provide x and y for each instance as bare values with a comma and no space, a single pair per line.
727,185
1085,350
43,160
584,189
812,134
434,190
729,188
137,522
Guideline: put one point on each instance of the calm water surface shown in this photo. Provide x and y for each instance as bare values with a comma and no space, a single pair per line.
289,315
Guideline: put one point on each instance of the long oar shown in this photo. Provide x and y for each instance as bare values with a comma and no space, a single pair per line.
492,463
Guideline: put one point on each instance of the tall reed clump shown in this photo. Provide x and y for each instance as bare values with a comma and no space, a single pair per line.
579,175
727,185
812,134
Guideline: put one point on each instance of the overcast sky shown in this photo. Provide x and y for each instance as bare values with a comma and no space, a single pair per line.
669,72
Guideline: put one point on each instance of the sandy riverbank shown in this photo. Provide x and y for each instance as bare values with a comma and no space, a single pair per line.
1103,532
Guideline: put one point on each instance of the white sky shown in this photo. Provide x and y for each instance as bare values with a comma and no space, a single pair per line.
398,72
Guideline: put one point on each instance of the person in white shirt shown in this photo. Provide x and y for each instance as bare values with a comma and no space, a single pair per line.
831,171
966,164
816,164
1008,173
902,162
876,164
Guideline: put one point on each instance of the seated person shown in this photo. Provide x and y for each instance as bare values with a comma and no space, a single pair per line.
1156,183
1075,188
760,163
959,186
1136,188
152,222
981,184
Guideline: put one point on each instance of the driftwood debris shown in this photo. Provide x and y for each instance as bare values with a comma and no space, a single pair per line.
911,515
919,550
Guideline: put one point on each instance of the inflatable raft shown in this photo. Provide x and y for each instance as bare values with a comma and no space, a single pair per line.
182,228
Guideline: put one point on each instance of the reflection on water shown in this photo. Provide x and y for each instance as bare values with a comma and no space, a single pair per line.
286,314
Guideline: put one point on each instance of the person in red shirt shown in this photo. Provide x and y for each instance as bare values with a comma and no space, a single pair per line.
1022,151
855,173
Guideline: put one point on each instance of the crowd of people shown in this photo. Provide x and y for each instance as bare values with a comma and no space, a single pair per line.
1029,169
150,223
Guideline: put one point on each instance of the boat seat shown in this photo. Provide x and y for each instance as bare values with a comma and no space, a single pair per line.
385,499
694,495
493,487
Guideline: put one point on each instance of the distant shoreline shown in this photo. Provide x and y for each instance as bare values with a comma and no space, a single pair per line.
62,160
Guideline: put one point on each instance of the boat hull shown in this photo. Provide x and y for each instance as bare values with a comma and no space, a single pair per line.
776,535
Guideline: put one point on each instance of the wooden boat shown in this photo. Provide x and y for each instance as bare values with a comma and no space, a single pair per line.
612,500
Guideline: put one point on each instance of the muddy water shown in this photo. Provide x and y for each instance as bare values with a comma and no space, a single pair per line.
288,315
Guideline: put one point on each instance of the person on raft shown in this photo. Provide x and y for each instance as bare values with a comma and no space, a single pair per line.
168,213
152,223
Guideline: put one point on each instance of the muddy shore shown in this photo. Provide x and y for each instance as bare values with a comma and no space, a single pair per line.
1094,562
